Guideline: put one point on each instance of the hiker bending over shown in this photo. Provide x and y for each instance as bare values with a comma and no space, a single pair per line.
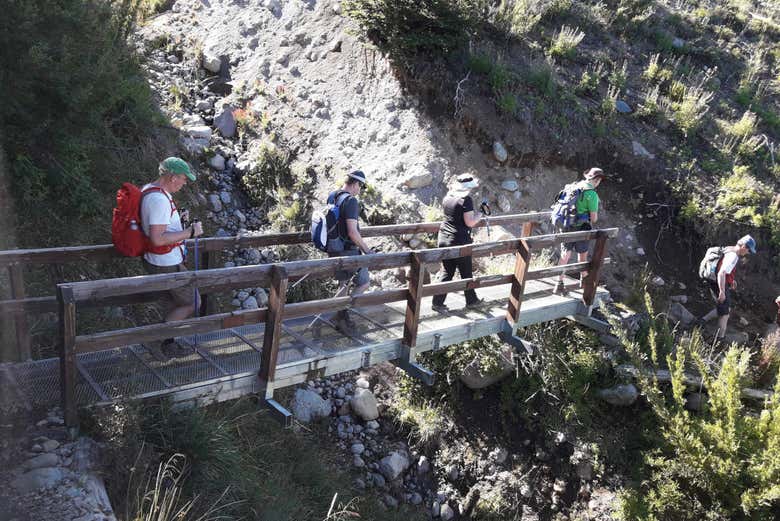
718,269
349,242
585,215
162,224
455,230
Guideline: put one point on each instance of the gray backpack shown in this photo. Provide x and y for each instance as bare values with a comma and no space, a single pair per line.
708,267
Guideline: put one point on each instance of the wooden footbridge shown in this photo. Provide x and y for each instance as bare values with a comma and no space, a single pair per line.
284,343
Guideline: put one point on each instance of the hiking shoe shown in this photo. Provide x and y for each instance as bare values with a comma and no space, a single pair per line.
345,324
172,349
476,303
560,288
154,348
440,308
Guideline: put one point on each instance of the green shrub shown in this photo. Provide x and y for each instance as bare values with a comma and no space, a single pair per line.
270,171
722,463
540,77
406,28
689,113
480,63
499,77
565,42
77,110
619,76
507,103
744,197
566,368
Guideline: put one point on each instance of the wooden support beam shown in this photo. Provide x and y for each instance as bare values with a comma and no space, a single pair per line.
273,329
528,229
522,262
67,305
597,261
413,304
16,274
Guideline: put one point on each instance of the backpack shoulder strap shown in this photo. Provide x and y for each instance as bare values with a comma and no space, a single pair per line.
152,189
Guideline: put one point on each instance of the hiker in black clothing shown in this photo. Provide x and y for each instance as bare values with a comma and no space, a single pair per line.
459,218
349,242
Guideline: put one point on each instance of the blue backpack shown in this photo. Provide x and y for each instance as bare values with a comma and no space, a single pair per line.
564,208
324,222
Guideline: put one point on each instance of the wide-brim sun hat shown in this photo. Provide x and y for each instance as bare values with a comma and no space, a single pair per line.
594,173
177,166
466,182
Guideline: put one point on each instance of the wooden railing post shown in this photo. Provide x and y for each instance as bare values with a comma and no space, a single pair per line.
273,329
67,312
528,229
413,303
16,274
591,281
522,262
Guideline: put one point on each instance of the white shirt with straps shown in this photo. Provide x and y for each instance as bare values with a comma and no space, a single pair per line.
156,210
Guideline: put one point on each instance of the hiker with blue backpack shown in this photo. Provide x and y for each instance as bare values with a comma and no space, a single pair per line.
717,269
336,230
576,208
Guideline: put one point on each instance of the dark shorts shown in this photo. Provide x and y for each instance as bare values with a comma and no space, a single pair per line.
361,275
180,296
724,307
577,246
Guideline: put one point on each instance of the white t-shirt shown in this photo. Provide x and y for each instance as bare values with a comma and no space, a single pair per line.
156,209
729,262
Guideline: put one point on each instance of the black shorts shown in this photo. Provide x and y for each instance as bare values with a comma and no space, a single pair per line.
724,307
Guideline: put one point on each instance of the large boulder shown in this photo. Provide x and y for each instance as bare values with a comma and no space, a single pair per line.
499,152
474,378
620,395
35,479
417,177
394,465
308,406
224,121
363,404
679,313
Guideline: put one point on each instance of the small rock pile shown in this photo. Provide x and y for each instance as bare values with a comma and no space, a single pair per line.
49,477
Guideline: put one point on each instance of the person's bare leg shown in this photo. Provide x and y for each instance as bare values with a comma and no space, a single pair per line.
709,316
582,257
565,256
723,322
182,312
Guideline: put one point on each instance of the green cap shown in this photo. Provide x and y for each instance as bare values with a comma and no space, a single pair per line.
177,166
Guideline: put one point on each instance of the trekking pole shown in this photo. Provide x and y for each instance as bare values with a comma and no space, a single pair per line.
340,292
195,289
485,209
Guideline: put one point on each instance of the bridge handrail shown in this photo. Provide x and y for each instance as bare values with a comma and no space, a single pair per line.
15,262
96,290
61,255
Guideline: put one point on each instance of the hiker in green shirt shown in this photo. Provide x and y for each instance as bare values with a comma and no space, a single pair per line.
587,209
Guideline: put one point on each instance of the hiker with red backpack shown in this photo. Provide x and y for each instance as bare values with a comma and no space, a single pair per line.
576,208
147,222
717,269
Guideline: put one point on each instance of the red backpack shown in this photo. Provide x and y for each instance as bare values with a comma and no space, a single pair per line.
126,233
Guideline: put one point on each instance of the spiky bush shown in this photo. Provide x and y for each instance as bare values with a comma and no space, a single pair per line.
722,463
566,42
